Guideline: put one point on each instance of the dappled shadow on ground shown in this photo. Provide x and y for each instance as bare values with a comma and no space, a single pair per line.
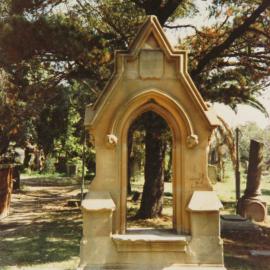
164,221
40,228
239,243
42,242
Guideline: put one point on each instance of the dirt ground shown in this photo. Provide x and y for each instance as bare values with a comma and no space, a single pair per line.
241,240
43,232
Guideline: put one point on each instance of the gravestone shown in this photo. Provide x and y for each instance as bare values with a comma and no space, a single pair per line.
213,173
151,76
250,204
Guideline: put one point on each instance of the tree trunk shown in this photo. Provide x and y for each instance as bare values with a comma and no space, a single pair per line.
168,171
27,157
152,197
130,143
4,144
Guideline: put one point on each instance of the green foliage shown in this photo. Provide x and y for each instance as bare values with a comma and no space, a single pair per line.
253,131
53,121
70,142
229,59
49,166
56,56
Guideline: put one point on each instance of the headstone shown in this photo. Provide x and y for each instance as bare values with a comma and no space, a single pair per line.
213,173
250,205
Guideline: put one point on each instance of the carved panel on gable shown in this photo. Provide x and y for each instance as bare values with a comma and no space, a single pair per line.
151,64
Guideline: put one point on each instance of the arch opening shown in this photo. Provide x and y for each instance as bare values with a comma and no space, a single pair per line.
150,200
179,130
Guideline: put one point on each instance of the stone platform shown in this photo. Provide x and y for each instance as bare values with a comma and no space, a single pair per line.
155,267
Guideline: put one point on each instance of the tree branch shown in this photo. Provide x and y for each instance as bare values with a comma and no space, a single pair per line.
159,8
259,32
182,26
235,34
261,55
165,12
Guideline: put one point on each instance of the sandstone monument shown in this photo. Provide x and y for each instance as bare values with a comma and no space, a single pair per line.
151,76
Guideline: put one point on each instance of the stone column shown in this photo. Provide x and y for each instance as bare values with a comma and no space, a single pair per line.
250,205
254,169
96,244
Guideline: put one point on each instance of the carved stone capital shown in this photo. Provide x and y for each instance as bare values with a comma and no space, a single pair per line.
112,140
192,140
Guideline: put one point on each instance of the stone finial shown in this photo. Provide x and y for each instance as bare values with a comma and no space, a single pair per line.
112,140
192,140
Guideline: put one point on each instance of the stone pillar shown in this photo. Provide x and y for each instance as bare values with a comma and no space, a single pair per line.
206,245
250,206
96,243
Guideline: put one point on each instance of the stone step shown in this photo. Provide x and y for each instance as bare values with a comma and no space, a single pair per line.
150,240
154,267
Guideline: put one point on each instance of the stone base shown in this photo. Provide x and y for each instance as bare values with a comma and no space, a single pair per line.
153,267
252,208
150,240
150,249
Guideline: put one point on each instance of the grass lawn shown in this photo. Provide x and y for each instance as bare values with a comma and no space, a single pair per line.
226,189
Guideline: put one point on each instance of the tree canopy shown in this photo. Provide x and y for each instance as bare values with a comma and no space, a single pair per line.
62,50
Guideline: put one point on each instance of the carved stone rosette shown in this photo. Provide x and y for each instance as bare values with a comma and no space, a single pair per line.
192,140
111,140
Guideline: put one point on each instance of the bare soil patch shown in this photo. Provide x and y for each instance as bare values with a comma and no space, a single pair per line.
241,240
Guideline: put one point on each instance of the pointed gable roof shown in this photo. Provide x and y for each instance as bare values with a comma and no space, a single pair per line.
152,30
150,36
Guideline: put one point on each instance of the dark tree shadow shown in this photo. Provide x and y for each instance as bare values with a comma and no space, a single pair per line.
53,240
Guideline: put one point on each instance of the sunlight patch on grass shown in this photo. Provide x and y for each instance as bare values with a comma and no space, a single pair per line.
226,189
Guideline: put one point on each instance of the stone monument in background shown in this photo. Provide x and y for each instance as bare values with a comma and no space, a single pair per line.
250,204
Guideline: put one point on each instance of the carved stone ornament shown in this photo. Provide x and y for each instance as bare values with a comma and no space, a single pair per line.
192,140
111,140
